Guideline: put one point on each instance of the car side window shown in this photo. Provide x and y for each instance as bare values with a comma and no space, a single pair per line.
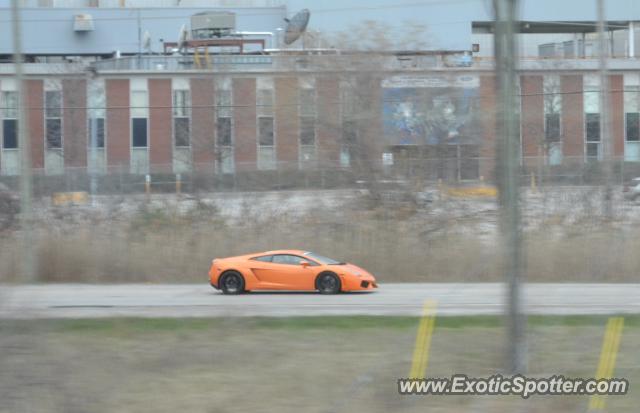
264,258
289,259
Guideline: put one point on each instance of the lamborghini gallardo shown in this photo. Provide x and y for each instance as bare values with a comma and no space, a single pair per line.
292,270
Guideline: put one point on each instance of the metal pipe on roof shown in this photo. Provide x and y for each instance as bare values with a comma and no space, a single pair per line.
269,34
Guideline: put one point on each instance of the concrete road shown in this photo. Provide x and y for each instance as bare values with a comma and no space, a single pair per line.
195,300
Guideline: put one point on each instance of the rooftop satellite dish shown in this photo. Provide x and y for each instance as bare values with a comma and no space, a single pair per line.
146,41
296,26
182,38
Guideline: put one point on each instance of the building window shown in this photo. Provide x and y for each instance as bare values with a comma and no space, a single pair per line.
265,131
266,144
224,132
223,103
552,100
307,131
53,119
633,127
348,100
593,150
9,103
552,127
307,141
593,127
139,121
265,102
139,132
349,142
266,136
224,116
349,111
181,103
9,134
96,124
307,102
181,129
307,126
181,117
96,113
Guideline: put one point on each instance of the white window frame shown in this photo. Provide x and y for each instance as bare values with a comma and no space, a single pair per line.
308,113
224,110
265,108
181,113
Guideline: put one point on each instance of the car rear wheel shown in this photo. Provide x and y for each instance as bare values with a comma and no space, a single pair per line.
232,283
328,283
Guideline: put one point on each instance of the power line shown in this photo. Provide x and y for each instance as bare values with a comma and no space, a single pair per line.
333,102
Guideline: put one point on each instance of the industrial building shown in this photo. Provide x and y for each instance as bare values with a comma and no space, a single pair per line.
186,88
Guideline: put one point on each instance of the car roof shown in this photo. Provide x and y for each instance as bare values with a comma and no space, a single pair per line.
274,252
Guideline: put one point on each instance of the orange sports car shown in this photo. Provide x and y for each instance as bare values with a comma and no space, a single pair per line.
287,270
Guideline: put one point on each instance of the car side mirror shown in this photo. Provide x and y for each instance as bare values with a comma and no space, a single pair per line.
304,264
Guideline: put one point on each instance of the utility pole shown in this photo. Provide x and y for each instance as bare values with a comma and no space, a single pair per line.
508,177
24,145
605,127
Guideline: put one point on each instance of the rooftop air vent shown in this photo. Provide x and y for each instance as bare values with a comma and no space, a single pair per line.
207,25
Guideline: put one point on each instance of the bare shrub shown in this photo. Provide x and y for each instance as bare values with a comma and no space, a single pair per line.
174,240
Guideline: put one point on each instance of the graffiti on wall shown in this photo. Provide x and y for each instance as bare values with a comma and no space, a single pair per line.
430,110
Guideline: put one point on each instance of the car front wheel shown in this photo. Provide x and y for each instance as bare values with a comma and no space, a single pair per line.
328,284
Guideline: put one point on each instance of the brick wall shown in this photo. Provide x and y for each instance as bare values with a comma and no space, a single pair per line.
287,121
203,123
118,143
244,122
532,115
74,92
35,114
616,102
160,125
328,128
572,117
370,127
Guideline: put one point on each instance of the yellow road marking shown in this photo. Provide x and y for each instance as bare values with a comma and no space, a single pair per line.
608,355
423,341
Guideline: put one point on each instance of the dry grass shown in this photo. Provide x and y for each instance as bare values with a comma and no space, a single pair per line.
310,365
400,242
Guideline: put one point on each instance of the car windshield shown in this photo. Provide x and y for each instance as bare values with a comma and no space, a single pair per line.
321,259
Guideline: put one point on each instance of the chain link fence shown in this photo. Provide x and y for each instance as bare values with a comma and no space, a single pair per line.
535,171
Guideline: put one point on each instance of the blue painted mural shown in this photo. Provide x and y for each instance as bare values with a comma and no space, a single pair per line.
430,110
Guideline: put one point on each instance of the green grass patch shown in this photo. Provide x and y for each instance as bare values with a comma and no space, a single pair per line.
137,324
157,325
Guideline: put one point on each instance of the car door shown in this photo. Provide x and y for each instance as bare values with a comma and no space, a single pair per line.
291,274
263,270
285,272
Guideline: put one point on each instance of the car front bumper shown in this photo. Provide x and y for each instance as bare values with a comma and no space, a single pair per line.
359,284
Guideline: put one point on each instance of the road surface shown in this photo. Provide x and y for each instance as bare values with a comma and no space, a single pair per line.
195,300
